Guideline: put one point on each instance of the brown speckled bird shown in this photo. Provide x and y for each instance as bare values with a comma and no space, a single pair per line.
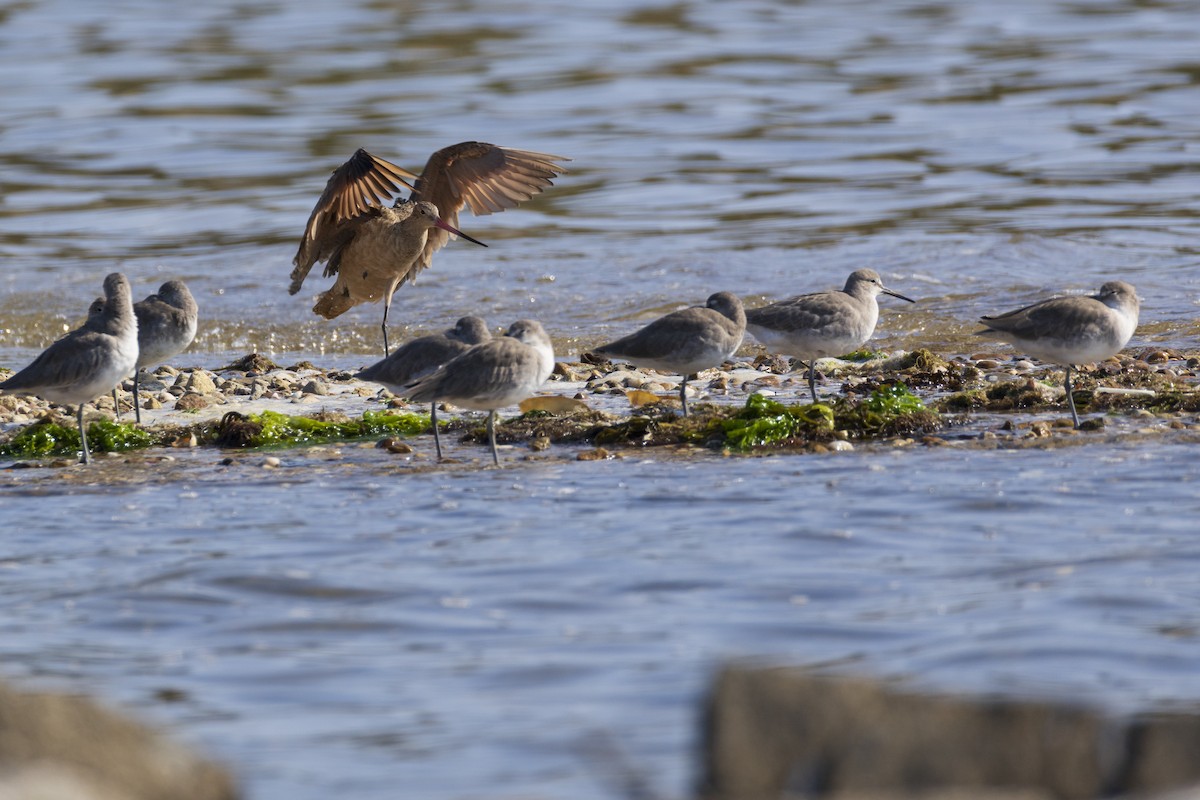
373,249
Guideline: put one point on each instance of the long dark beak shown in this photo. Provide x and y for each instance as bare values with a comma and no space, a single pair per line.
897,294
446,227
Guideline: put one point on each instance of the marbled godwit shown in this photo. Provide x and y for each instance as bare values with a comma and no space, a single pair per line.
685,341
419,357
374,249
823,324
1071,330
492,375
89,360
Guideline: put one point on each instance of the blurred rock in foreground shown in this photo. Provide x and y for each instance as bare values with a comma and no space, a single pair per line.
64,747
778,732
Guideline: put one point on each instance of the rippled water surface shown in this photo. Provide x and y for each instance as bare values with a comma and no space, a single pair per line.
340,625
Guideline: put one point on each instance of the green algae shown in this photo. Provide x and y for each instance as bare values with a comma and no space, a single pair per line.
46,438
890,410
272,429
764,421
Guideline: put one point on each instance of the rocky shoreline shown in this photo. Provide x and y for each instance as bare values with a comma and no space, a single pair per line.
599,409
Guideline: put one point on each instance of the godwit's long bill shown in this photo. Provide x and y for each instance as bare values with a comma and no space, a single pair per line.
374,248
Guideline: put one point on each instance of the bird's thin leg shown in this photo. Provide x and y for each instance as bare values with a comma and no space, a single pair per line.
1071,398
116,402
812,378
137,405
683,391
437,439
87,457
387,303
492,436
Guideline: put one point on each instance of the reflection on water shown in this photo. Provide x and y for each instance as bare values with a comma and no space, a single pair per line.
333,627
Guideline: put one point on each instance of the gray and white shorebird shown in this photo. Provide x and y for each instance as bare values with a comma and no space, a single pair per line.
686,341
166,326
1070,331
89,360
373,249
823,324
419,357
490,376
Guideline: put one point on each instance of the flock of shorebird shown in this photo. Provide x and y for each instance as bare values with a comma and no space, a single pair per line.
373,249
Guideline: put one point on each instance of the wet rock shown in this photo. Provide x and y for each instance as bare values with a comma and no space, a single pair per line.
565,372
271,462
198,381
772,733
394,445
539,443
60,746
315,387
253,362
599,454
192,401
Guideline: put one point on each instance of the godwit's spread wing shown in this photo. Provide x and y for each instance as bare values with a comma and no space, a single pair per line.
363,183
486,177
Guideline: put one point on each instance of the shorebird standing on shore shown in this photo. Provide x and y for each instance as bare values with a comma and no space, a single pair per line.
89,360
419,357
166,326
1070,331
685,341
823,324
489,376
374,249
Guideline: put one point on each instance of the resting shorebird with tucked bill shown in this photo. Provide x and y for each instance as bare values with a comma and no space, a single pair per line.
823,324
373,249
89,360
419,357
685,341
166,326
1070,331
489,376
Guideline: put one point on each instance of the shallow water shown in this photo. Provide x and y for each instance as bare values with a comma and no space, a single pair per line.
345,625
472,634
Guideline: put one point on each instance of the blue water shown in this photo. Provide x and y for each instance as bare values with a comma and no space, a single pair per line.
335,625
